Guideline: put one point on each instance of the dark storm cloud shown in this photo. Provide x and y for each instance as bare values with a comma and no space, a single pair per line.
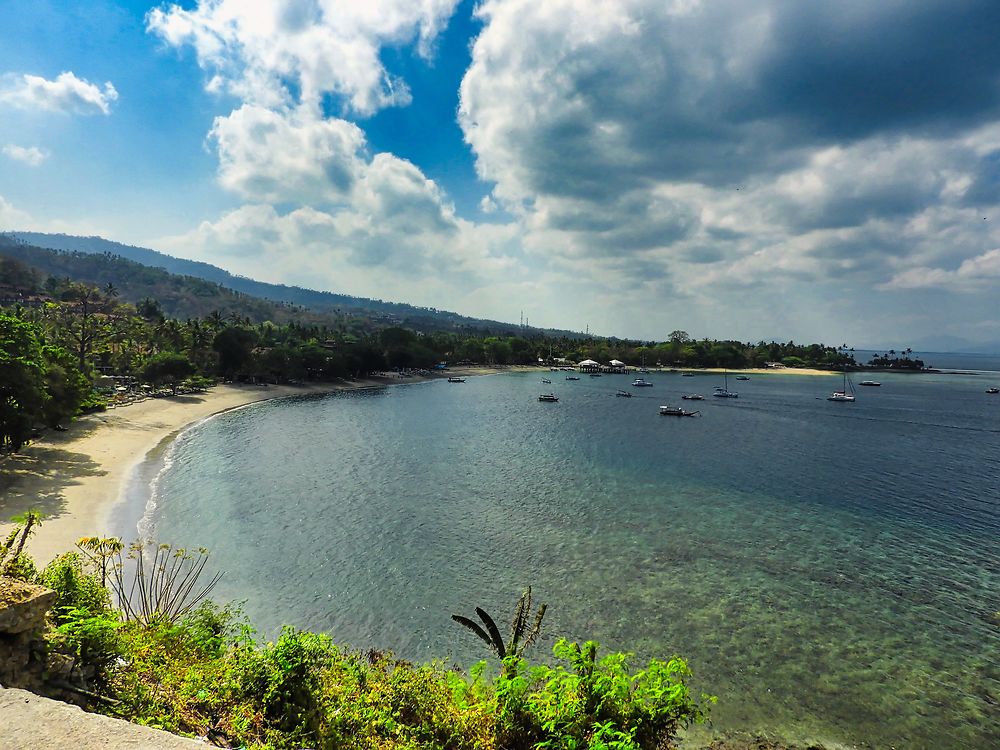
847,70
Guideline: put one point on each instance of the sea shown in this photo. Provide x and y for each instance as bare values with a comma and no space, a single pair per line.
830,571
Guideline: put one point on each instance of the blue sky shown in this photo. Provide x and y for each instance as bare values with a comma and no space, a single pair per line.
739,168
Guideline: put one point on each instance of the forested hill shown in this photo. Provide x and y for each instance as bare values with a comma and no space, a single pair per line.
177,296
417,318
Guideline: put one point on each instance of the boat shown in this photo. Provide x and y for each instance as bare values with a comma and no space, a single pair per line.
572,377
693,397
547,381
624,394
643,369
676,411
687,374
843,395
742,377
723,390
595,374
641,383
993,390
550,397
870,382
456,380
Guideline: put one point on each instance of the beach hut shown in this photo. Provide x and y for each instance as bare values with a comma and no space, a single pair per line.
589,365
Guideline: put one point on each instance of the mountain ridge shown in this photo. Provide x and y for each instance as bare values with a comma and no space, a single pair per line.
316,300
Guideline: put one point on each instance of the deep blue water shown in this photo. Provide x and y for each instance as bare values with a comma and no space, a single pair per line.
831,571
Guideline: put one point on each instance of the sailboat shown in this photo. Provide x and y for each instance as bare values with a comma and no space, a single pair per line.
723,391
842,394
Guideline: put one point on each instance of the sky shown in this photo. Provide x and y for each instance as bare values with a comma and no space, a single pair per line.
751,169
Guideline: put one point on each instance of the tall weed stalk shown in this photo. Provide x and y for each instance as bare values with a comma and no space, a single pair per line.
152,582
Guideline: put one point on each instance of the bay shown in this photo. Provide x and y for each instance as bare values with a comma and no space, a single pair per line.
831,571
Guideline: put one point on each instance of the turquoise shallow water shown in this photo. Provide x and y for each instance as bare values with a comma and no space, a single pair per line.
831,571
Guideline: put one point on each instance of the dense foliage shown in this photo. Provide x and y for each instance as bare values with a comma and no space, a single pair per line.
202,671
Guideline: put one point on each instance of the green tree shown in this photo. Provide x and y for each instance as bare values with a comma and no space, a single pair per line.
66,387
235,348
22,382
167,368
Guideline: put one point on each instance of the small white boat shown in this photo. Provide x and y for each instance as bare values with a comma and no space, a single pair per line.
722,391
870,382
742,377
641,383
676,411
550,397
456,380
993,390
572,377
843,395
693,397
687,374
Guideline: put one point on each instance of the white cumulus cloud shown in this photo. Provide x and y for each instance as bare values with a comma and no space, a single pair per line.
66,93
277,52
30,155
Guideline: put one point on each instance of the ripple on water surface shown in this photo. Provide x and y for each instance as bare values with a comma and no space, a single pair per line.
829,570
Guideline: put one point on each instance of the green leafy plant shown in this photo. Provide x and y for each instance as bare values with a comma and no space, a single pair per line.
521,635
13,560
604,704
153,582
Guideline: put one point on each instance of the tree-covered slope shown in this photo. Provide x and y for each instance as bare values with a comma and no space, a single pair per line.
417,318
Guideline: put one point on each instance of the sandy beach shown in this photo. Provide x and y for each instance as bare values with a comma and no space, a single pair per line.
76,477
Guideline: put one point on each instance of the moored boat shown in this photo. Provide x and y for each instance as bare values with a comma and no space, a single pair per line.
693,397
742,377
676,411
572,377
641,383
624,394
870,383
843,395
546,380
993,390
550,397
456,380
722,391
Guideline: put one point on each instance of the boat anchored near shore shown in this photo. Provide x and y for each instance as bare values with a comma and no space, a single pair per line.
548,397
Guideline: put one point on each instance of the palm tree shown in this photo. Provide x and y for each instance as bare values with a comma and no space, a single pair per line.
520,635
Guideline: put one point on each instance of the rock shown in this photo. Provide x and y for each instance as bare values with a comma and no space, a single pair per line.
29,722
23,606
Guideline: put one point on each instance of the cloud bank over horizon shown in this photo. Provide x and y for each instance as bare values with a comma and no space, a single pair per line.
744,168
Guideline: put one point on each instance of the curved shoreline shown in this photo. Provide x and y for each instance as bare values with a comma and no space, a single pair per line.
78,478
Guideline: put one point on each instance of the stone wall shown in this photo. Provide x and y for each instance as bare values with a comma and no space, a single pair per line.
23,607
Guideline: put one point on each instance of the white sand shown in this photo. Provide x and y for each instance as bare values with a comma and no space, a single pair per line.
76,477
